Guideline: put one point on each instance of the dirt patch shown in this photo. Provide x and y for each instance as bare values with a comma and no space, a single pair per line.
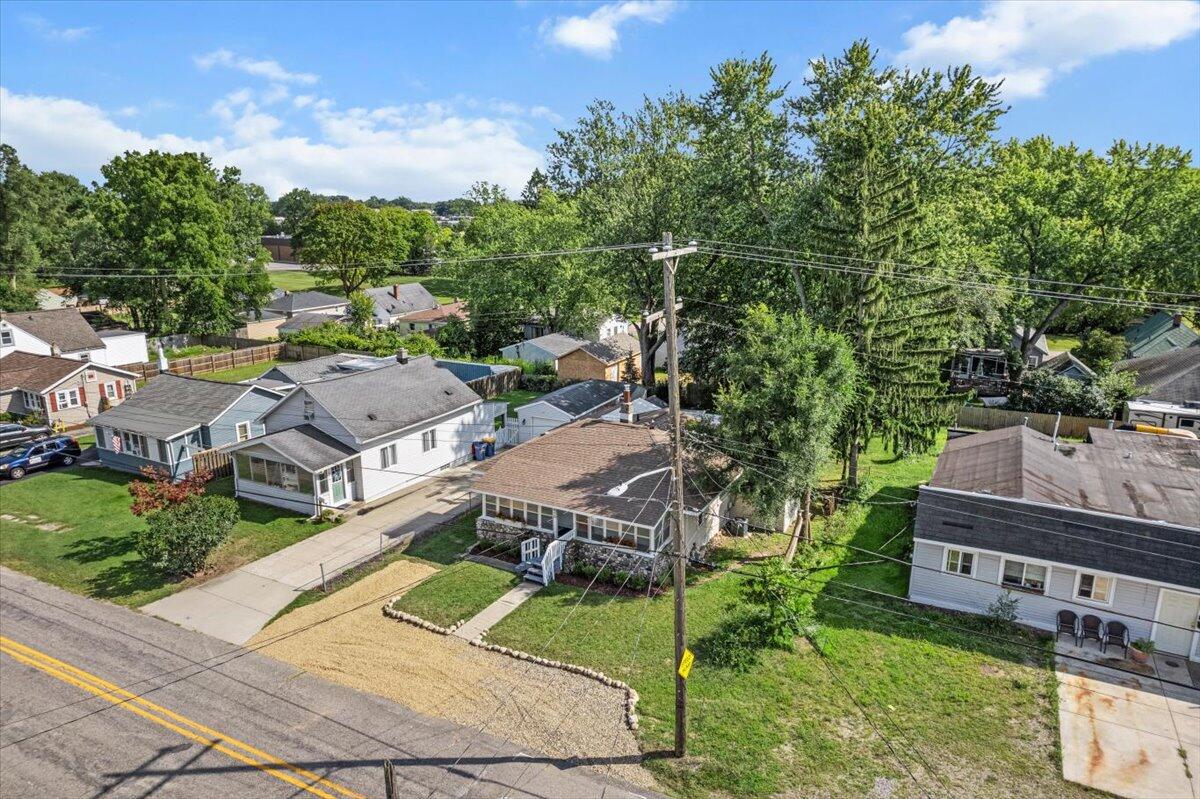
547,710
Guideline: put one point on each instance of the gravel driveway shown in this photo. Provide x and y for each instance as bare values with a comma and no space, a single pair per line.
547,710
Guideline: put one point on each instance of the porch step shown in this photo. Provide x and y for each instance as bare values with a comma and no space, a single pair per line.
533,573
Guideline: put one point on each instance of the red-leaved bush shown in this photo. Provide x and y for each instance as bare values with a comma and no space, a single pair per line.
162,492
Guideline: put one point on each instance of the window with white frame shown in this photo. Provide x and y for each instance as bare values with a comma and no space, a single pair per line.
133,443
6,337
110,390
164,452
489,506
102,441
276,474
1026,576
31,400
959,562
243,431
387,456
68,398
1095,587
429,440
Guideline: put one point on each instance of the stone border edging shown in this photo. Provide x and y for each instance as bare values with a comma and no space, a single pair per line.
631,696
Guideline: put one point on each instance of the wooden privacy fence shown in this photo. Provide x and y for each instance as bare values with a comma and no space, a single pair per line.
214,362
496,383
978,418
216,462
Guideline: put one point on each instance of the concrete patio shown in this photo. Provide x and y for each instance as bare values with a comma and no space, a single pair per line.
1130,734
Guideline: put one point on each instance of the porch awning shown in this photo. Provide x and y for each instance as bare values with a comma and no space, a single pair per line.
305,445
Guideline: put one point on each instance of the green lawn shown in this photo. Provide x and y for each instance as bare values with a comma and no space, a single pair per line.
516,398
194,350
980,712
461,590
239,373
92,554
1061,343
300,280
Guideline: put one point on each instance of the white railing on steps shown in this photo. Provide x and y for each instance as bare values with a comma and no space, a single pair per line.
553,556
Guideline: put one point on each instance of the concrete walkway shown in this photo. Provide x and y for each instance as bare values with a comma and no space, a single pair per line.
1129,735
237,605
490,616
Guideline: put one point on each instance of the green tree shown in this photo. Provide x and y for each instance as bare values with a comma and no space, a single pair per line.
455,338
346,244
1101,349
628,174
294,206
887,146
179,538
785,608
178,239
1058,213
362,310
788,383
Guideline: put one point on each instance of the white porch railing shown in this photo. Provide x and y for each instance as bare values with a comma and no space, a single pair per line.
531,550
543,566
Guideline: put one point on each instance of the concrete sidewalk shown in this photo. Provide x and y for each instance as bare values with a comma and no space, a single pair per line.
237,605
490,616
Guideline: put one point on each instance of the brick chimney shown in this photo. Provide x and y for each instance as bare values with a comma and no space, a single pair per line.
396,290
627,405
402,356
1177,320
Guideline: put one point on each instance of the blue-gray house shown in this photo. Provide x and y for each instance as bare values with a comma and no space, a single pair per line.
172,417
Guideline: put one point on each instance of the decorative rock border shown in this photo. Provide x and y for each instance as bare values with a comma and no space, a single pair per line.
631,696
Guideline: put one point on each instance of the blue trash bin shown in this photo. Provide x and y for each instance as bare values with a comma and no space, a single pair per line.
490,446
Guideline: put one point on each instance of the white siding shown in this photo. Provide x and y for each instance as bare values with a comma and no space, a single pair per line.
121,350
290,413
537,418
454,437
23,342
1131,598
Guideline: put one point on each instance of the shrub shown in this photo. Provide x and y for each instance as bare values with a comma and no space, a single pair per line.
538,382
1003,611
1100,349
162,492
179,538
785,607
376,342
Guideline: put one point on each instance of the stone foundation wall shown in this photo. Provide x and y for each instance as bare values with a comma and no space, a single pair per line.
578,551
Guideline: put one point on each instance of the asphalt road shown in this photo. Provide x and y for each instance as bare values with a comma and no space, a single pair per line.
100,701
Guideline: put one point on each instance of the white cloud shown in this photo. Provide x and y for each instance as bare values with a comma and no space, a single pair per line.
1029,44
303,100
48,30
261,68
596,34
423,150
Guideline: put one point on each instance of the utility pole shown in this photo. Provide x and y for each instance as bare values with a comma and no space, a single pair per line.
670,255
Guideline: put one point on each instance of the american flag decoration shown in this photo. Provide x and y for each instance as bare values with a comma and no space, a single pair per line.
116,443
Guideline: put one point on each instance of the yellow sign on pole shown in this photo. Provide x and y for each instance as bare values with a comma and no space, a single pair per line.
685,663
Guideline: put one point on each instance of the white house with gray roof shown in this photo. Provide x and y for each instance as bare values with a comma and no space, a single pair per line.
589,398
361,435
399,300
543,349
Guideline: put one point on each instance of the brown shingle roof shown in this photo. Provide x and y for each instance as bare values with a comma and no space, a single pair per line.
574,466
438,314
65,328
34,372
1130,474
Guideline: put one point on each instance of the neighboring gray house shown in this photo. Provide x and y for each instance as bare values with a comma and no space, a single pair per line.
305,320
1170,389
1038,350
309,301
1107,527
361,435
398,300
1159,333
588,398
288,374
173,417
1067,365
543,349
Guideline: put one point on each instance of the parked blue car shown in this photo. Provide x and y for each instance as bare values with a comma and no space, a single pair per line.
57,451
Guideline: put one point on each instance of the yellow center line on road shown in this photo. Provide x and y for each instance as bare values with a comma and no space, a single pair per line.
276,767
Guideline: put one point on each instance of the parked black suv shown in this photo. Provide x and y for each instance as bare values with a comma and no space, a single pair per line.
57,451
13,434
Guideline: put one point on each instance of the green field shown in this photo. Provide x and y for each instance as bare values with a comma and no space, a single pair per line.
91,552
239,373
1062,343
516,398
300,280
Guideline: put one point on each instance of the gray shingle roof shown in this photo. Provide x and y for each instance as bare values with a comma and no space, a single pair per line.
65,328
413,297
170,404
312,369
612,349
305,301
557,344
375,403
305,320
579,398
1169,377
305,446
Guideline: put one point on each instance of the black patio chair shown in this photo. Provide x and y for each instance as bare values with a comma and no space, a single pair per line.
1118,634
1091,627
1068,622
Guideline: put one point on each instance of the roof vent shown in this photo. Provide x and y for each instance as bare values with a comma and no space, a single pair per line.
447,392
372,417
402,355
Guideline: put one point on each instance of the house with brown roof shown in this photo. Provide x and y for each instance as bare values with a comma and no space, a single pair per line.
605,359
432,319
60,389
595,491
1105,528
64,332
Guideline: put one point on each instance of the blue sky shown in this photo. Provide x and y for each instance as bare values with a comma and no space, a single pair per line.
422,99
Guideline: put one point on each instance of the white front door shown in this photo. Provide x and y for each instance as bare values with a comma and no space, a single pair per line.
1175,610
